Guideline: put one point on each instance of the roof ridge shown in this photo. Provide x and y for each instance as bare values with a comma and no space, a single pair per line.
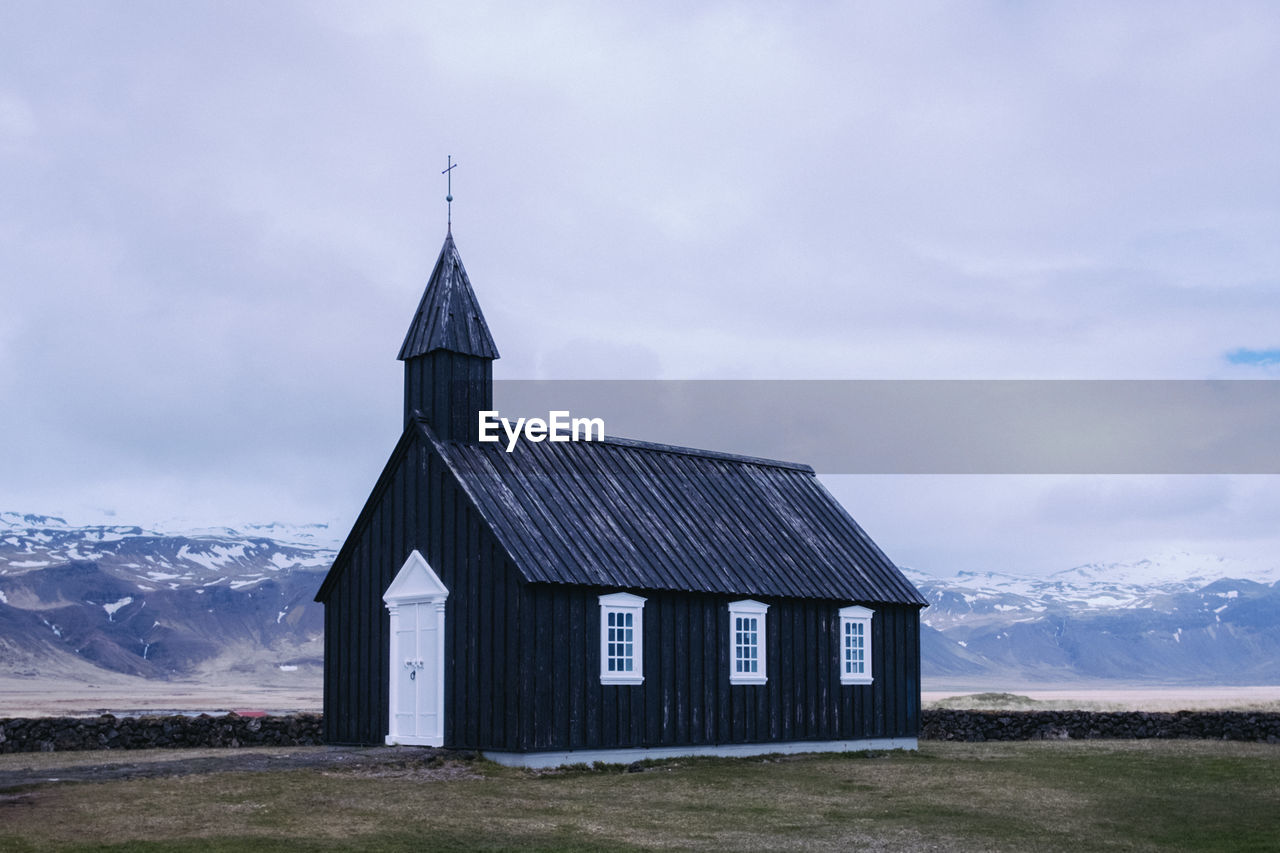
681,450
660,447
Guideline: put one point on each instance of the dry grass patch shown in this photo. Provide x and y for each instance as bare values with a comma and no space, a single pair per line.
1097,795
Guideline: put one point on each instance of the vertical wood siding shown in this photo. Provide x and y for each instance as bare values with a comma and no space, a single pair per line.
420,507
686,697
449,389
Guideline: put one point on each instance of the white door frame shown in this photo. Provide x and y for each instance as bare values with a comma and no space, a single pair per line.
416,583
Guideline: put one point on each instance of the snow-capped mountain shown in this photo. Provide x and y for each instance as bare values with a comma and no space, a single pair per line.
159,603
1178,617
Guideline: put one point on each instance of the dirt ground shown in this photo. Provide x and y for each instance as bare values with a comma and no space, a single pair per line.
1127,698
123,695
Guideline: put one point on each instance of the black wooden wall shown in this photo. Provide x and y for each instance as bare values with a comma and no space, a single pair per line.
449,389
686,697
418,505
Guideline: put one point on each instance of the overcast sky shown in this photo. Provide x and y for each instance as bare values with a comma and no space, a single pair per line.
216,220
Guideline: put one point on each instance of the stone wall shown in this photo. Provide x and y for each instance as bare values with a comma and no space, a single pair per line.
50,734
1072,725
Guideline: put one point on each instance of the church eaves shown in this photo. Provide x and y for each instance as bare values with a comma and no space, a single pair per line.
449,316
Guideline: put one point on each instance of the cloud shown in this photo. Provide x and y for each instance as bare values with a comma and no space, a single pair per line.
17,120
217,220
1127,500
1042,524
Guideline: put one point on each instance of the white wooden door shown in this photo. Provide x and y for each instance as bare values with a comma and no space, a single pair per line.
416,671
416,603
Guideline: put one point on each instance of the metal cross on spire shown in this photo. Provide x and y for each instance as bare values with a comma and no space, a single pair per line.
449,198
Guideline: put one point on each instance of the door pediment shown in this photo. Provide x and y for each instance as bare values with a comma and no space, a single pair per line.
416,581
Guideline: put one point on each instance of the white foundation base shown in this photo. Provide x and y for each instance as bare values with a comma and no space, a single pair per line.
725,750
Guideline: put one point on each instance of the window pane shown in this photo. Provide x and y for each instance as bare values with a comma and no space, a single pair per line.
855,647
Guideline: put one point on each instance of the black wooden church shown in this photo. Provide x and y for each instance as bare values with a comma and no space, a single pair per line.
604,600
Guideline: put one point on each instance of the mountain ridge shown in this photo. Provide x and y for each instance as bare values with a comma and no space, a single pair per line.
163,605
1177,618
188,601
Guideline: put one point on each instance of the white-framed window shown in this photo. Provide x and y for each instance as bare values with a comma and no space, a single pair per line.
621,638
855,645
747,657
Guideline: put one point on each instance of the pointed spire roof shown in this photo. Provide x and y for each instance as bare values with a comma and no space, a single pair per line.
449,316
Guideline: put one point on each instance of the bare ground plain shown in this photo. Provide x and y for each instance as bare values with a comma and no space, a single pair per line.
124,695
1096,697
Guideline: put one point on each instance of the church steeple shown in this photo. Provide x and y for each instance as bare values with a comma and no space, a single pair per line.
448,352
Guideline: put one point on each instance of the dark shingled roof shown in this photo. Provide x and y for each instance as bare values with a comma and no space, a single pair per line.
449,316
639,515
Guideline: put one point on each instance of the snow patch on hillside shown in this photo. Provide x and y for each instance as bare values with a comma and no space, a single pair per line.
1101,586
1189,570
115,606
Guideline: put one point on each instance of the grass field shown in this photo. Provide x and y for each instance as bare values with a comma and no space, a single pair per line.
1096,795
